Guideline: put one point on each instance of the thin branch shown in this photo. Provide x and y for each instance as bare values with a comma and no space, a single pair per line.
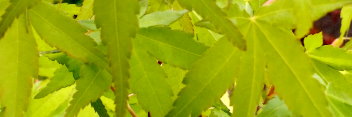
133,114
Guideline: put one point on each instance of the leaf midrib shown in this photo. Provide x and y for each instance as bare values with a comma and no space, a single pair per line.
207,83
291,69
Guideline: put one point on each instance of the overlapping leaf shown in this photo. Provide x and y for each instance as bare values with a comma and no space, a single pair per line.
19,62
118,22
250,81
91,85
148,81
161,18
207,80
62,78
208,10
339,94
335,57
16,8
169,46
275,108
346,16
65,34
287,64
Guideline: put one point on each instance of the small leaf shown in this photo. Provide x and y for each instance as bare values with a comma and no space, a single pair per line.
62,78
275,108
161,18
91,85
209,11
335,57
207,80
86,10
313,41
346,15
52,104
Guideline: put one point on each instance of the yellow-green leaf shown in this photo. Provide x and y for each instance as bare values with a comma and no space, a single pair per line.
118,22
65,34
207,80
91,85
19,64
16,8
210,11
148,81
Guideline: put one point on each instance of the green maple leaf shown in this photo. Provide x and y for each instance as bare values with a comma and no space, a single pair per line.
148,81
19,62
118,22
16,8
65,34
207,80
210,11
62,78
91,85
170,46
286,64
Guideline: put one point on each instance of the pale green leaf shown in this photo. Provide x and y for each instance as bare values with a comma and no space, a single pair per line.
207,80
119,24
250,81
161,18
346,15
52,104
313,41
210,11
16,8
68,9
275,108
321,7
47,67
339,94
65,34
62,78
88,111
86,10
91,85
19,64
148,81
159,5
169,46
333,56
175,76
287,64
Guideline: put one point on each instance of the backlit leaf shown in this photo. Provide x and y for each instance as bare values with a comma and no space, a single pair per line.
169,46
207,80
65,34
91,85
335,57
148,81
62,78
287,64
161,18
19,64
208,10
118,22
16,8
250,81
